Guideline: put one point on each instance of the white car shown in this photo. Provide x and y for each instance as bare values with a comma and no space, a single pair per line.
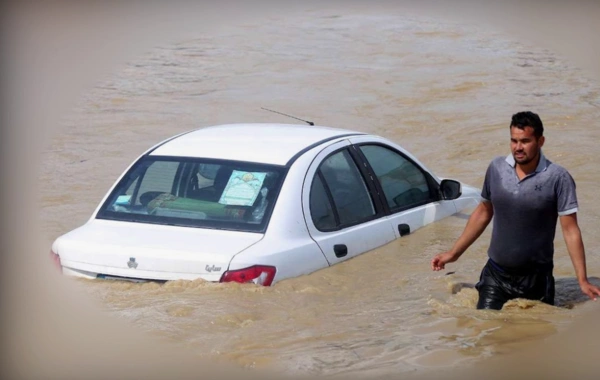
256,203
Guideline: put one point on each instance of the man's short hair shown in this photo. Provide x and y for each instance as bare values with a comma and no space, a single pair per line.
528,119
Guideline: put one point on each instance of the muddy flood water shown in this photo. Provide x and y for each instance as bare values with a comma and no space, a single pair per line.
443,90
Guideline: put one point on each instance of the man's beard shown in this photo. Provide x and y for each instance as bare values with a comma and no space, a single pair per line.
526,159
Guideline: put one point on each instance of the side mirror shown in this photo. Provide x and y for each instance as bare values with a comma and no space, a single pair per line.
450,189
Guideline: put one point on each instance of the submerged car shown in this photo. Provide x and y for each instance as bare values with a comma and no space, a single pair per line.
256,203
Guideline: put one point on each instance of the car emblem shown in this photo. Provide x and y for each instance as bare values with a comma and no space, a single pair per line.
131,263
210,268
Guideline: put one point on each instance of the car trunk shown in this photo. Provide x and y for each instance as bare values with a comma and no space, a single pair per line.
103,248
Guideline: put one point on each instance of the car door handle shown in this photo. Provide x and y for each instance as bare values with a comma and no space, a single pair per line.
340,250
403,229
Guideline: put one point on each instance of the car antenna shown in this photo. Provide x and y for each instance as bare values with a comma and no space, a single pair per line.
293,117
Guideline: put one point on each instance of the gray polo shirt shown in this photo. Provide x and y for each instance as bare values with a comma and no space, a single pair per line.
526,211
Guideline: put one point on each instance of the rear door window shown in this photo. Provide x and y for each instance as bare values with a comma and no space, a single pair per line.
321,207
339,192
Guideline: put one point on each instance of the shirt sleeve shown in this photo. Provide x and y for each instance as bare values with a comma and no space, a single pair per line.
486,192
566,195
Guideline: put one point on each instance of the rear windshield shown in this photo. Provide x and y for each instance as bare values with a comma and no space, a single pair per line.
206,193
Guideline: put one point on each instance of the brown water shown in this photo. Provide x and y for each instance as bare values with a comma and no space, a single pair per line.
443,90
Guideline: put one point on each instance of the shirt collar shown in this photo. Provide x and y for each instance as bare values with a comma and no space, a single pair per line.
542,165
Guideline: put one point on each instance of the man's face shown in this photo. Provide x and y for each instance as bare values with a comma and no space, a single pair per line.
524,146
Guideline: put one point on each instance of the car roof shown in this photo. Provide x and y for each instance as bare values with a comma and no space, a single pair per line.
254,142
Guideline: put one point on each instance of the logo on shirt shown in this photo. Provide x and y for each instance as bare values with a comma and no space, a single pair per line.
538,187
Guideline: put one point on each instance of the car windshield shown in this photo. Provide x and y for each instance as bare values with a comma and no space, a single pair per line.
208,193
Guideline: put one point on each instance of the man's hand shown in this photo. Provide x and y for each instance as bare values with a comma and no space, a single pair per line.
440,260
478,221
572,235
592,291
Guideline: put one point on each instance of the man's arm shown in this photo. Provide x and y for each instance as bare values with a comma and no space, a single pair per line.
478,221
572,236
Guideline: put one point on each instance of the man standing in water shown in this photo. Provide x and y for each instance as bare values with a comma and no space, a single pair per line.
526,194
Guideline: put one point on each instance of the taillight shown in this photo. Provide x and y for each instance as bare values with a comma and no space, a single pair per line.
56,260
258,274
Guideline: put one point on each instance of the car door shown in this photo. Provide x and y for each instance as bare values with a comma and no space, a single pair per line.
343,212
410,193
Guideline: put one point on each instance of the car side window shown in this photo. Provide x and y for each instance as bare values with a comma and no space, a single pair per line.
321,209
404,184
351,198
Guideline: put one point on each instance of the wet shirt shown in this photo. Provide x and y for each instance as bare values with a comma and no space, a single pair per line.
526,211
